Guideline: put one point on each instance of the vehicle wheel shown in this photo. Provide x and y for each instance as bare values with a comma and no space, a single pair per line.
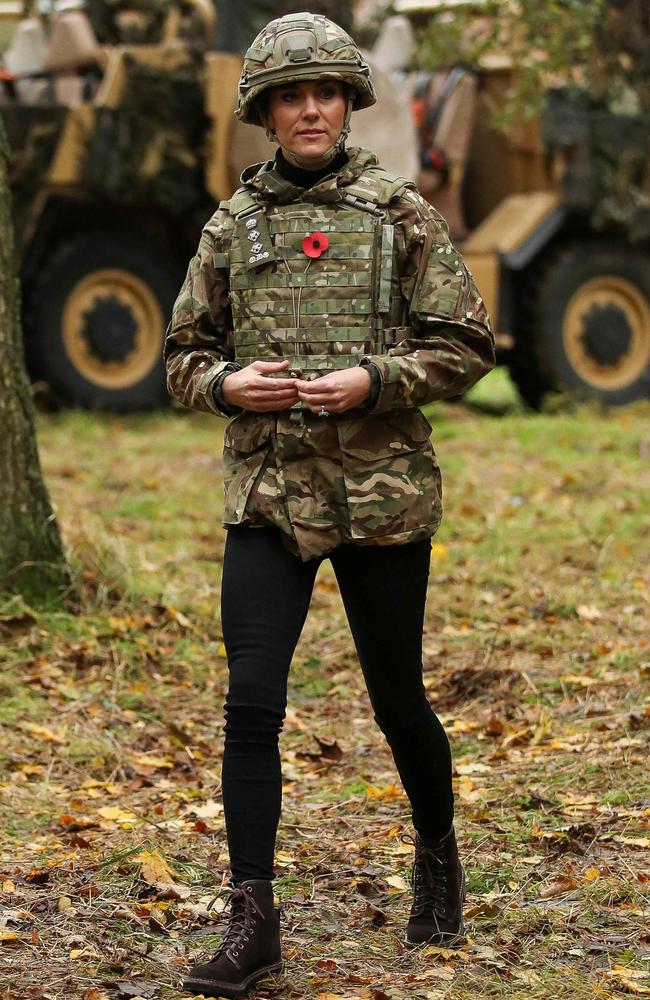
95,323
585,326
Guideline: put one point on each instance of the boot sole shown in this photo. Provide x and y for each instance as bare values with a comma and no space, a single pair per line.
439,941
212,988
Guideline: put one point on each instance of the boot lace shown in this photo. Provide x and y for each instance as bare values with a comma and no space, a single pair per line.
428,878
241,922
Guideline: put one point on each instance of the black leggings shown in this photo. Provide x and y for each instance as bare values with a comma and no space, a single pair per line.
265,595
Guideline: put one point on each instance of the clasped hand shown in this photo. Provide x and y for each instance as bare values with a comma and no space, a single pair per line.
254,388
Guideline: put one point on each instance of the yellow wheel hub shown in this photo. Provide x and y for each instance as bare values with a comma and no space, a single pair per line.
606,332
113,328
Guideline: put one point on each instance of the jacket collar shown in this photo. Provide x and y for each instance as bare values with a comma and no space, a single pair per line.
272,186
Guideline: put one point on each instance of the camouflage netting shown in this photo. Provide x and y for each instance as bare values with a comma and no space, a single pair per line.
620,67
608,160
128,21
33,134
151,146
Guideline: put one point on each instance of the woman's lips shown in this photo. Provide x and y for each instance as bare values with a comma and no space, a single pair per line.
312,133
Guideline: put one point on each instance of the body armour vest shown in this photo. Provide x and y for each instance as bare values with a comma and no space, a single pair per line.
315,282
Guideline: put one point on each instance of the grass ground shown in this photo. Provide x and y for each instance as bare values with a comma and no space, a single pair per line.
537,657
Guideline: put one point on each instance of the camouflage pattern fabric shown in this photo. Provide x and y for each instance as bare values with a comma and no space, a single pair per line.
297,47
363,477
321,313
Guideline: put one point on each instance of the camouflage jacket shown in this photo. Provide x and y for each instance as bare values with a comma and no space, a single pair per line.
368,477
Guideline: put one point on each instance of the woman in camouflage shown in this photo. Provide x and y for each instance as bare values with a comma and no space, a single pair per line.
324,306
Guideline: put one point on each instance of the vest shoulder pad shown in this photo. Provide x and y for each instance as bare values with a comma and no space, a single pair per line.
243,200
378,186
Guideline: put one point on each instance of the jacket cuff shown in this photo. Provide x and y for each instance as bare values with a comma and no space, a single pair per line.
375,384
206,384
217,392
389,395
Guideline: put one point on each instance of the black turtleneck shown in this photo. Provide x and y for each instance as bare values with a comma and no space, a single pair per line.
307,178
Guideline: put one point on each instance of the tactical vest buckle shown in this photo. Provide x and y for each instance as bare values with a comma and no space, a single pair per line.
354,201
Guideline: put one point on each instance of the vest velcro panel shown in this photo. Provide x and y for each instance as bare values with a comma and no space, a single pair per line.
285,308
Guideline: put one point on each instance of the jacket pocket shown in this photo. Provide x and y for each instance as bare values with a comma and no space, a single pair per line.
385,434
246,444
391,474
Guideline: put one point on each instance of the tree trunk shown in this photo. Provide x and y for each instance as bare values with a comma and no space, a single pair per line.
32,562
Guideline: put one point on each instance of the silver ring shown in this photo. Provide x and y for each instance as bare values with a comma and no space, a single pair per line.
323,412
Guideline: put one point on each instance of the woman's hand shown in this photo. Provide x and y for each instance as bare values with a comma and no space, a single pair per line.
252,388
337,391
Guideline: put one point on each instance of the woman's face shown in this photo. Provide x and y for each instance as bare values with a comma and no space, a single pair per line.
307,117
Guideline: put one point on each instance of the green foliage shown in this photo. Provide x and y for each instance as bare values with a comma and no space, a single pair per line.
600,44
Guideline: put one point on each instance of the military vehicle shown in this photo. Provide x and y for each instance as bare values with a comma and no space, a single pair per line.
117,160
124,140
553,218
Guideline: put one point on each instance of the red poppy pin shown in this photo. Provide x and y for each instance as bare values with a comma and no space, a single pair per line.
315,245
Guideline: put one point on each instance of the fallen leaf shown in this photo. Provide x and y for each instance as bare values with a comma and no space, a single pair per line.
326,751
291,719
178,617
73,824
154,869
389,792
588,612
628,979
468,792
397,882
633,841
446,952
474,767
116,814
129,990
579,680
209,810
149,760
376,916
42,733
487,909
494,726
559,885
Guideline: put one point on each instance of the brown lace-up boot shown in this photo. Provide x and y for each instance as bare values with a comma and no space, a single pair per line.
250,948
438,884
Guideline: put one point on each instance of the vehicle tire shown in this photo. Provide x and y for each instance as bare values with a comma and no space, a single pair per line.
584,326
95,322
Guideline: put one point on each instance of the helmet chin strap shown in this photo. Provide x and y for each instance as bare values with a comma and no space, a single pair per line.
313,162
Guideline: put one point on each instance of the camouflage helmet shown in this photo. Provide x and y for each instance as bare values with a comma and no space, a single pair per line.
301,47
